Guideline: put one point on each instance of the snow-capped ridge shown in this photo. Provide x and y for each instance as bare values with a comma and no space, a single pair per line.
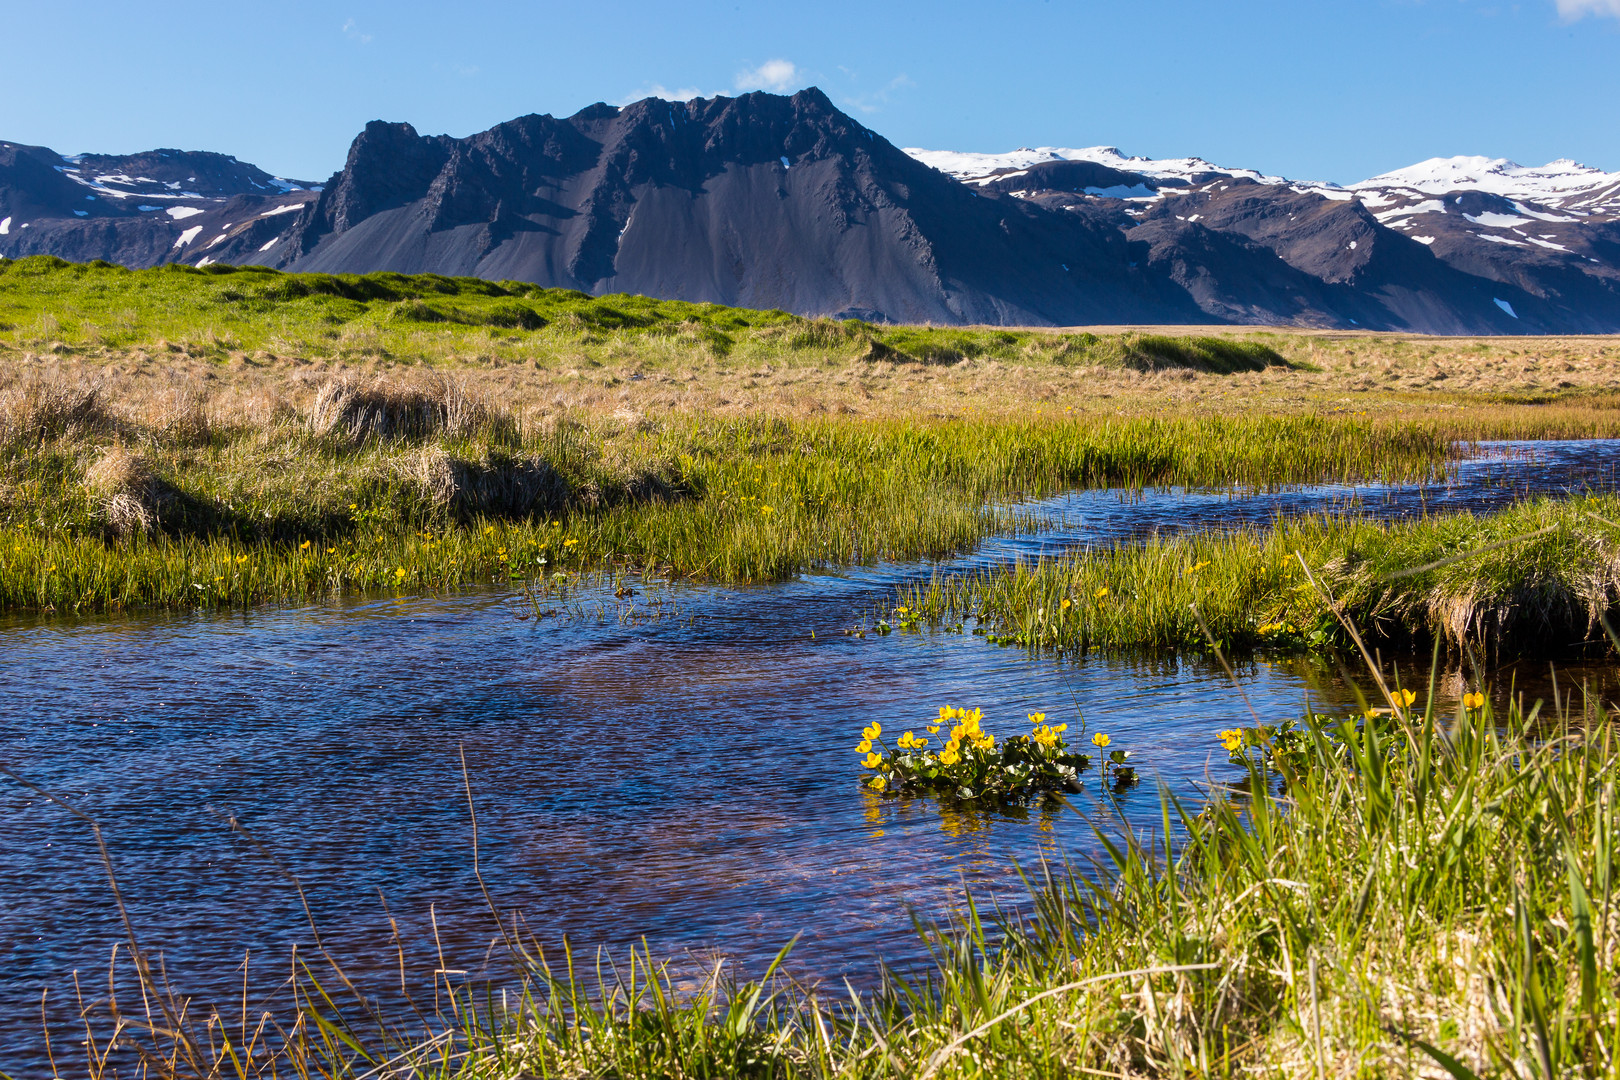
1563,183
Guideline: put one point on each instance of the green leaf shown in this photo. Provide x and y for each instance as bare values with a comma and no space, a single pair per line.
1446,1061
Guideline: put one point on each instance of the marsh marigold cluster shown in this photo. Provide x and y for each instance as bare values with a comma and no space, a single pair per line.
971,763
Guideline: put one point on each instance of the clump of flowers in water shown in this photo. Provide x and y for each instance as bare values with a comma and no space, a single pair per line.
971,764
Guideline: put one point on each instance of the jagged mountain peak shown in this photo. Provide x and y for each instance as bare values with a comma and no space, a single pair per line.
771,200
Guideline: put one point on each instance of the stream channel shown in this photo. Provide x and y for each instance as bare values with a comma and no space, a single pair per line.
676,768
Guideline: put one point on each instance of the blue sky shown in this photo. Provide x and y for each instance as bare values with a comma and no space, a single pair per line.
1311,90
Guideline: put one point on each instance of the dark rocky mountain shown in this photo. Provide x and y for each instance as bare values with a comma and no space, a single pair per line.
771,201
761,200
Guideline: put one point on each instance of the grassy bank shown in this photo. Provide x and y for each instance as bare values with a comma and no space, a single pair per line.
221,310
1434,895
251,338
418,483
1531,580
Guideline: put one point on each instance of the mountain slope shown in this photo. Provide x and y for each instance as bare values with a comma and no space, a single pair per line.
785,202
761,200
1509,249
140,210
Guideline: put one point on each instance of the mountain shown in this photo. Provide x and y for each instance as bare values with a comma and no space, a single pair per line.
1539,245
140,209
786,202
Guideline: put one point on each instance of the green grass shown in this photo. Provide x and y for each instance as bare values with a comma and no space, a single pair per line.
219,310
1533,579
1431,894
96,513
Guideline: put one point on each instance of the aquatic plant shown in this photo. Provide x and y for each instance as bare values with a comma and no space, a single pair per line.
970,764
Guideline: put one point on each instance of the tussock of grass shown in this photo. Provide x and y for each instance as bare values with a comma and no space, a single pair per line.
367,409
1546,572
1425,893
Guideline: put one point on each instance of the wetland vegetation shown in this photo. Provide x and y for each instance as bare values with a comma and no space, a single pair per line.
1426,886
1537,579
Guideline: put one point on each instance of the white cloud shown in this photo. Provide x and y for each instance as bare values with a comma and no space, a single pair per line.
1578,9
874,101
659,90
351,30
779,76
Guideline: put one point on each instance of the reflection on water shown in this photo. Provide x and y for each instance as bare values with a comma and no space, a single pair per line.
690,782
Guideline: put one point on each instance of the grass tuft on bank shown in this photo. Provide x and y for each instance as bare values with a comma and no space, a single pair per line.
1533,580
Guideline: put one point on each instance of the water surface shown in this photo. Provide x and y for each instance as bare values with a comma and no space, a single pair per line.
688,780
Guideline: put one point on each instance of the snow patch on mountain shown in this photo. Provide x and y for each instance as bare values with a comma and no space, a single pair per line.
974,168
1562,183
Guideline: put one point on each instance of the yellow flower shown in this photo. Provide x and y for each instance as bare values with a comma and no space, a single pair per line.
864,746
51,568
1232,740
1404,698
901,610
933,729
570,542
1061,727
1037,718
1066,604
1473,701
354,506
304,546
1100,593
331,551
1100,741
878,783
766,509
399,571
873,761
949,756
1197,566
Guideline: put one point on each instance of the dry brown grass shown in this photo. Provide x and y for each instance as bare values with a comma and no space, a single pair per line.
132,495
1563,385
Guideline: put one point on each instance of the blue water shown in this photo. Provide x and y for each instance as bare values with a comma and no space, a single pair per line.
684,777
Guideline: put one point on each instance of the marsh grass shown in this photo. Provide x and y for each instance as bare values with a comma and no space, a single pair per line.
419,483
1535,579
1426,891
